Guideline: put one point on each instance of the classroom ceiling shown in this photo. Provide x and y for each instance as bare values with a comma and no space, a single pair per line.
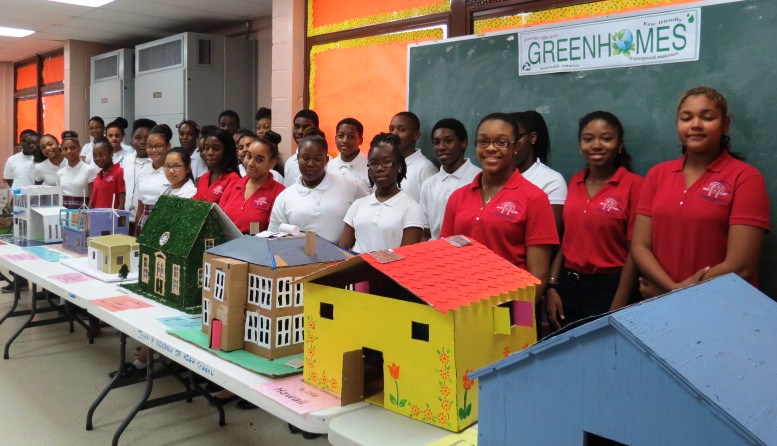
121,22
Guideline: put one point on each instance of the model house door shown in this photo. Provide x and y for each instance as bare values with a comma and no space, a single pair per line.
353,377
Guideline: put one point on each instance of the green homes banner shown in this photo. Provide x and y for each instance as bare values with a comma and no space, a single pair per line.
643,40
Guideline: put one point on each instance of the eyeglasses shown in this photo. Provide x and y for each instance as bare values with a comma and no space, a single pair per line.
386,164
174,167
501,144
157,147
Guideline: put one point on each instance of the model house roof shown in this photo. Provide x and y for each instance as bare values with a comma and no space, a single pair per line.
279,252
110,241
717,338
175,223
47,211
444,275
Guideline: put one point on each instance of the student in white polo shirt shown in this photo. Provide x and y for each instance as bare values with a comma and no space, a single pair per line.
46,172
75,177
133,163
319,199
303,120
96,127
351,162
449,139
407,127
388,218
152,181
18,169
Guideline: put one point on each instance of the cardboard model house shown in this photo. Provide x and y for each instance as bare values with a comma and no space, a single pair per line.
80,224
693,367
107,253
402,328
6,211
172,243
249,300
36,213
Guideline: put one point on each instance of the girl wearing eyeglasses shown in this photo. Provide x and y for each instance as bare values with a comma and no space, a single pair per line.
178,171
388,218
500,208
151,178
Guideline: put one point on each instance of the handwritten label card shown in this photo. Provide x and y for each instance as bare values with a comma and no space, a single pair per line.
69,277
20,256
120,303
298,395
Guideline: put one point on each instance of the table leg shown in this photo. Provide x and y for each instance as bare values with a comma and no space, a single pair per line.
16,296
141,404
111,385
33,309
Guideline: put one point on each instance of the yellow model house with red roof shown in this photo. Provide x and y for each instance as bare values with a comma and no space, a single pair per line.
402,328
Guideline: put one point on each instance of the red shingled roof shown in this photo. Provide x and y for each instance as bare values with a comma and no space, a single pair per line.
447,277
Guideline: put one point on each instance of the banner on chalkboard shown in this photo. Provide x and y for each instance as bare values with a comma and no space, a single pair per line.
644,40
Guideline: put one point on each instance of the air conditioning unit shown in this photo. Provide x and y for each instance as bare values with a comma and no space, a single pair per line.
195,76
112,90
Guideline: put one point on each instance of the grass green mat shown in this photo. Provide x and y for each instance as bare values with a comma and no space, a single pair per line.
242,358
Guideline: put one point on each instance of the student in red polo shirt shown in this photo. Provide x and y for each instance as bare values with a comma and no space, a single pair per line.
250,199
500,208
593,273
705,214
108,188
220,154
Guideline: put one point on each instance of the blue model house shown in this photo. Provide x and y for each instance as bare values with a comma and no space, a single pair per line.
80,224
694,367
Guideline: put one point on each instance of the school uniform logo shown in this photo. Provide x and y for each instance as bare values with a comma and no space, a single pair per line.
508,210
217,191
611,206
261,203
717,191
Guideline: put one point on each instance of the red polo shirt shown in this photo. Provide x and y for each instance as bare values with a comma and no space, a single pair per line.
213,192
690,224
518,216
107,186
597,229
256,209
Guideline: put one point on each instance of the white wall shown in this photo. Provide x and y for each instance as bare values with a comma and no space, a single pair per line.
6,112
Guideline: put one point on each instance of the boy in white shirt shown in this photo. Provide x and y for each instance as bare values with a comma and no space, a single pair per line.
407,126
303,120
18,169
351,163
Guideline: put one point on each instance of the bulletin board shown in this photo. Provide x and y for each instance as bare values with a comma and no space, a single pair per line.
327,16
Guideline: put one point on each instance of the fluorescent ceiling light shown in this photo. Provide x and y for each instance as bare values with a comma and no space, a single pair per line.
90,3
14,32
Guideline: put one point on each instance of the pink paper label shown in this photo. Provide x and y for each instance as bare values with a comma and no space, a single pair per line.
120,303
22,256
70,277
298,395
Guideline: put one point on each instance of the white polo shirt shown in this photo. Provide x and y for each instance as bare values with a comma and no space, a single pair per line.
186,191
291,170
355,169
86,152
320,209
436,190
76,181
199,168
380,225
19,168
151,184
132,166
419,169
47,172
547,179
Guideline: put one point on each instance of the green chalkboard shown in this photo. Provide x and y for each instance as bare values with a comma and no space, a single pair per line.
469,78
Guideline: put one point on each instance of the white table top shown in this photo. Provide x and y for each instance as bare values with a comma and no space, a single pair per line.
144,326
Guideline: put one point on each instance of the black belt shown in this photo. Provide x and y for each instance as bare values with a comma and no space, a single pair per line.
591,278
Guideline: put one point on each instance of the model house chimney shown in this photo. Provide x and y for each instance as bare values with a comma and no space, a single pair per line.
310,243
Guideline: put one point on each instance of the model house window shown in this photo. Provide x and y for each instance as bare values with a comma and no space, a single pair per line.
122,221
135,254
257,329
218,291
199,277
34,201
160,268
283,331
327,311
299,328
265,295
205,311
299,297
419,331
159,277
144,269
206,278
120,260
55,200
350,287
283,292
254,289
208,243
176,279
94,255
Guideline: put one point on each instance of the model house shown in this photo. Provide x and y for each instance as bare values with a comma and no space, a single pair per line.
108,253
249,298
80,224
402,328
695,366
36,213
172,243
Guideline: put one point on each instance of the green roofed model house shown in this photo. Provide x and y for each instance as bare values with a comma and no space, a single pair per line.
172,243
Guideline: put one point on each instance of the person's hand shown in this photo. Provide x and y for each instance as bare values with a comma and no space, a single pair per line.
554,307
695,278
647,289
